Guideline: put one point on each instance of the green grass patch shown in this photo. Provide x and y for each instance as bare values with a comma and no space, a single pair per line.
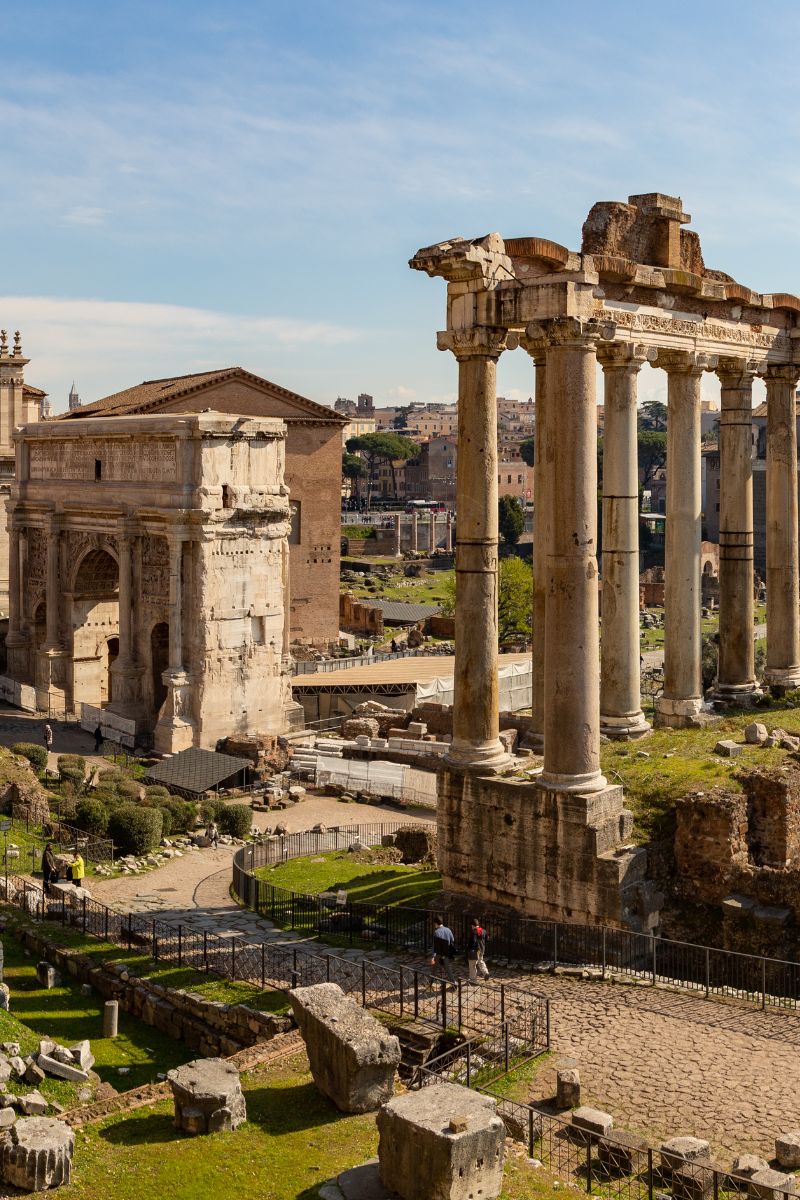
364,884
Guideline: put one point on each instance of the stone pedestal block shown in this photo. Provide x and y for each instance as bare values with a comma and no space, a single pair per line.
787,1149
622,1153
37,1154
679,1150
110,1018
568,1088
443,1142
353,1059
208,1096
692,1181
588,1124
47,976
769,1185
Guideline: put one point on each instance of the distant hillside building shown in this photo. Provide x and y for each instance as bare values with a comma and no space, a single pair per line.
20,403
313,474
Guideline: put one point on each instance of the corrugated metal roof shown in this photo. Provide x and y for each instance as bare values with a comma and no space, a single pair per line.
195,770
400,610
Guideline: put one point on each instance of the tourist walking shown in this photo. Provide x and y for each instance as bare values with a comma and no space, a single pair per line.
476,949
444,949
48,738
212,833
78,869
49,868
98,739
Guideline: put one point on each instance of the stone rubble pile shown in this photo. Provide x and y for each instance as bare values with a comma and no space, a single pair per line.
757,734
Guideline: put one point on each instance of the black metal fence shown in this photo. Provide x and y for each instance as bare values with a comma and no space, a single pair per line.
618,1165
474,1012
705,970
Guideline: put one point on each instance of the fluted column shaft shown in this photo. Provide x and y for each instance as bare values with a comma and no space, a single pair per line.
538,352
14,578
53,583
572,650
176,544
125,546
736,676
476,721
783,617
620,678
682,700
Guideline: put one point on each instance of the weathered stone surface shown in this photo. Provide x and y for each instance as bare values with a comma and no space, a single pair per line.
568,1088
34,1074
208,1096
420,1155
747,1164
33,1104
416,843
360,727
37,1154
728,748
47,976
353,1059
787,1149
7,1117
61,1070
692,1181
590,1123
82,1055
755,734
769,1185
678,1150
5,997
622,1153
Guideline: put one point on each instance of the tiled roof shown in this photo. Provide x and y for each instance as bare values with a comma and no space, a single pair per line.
196,771
29,390
402,612
149,395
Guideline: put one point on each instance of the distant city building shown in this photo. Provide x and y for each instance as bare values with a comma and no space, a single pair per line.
74,398
20,404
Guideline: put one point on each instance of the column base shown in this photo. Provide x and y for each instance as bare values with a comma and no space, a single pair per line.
745,695
18,655
127,690
175,730
679,714
625,728
533,741
488,758
782,679
586,784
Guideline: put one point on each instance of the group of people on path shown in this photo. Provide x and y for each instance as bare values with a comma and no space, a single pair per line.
75,872
445,950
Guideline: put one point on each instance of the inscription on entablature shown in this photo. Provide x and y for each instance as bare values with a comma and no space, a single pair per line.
151,462
653,323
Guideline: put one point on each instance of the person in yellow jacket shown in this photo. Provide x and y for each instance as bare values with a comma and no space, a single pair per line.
78,869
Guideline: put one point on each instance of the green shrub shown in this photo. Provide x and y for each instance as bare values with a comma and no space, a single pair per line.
72,775
130,789
166,821
36,755
183,813
135,830
236,819
110,776
211,808
156,791
91,816
105,796
71,760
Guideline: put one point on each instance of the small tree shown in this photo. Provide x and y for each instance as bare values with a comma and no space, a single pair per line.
651,449
514,598
382,447
526,450
653,415
510,519
35,754
236,819
353,468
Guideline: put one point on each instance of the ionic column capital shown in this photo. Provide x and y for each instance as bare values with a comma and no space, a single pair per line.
625,356
685,362
479,341
579,332
782,373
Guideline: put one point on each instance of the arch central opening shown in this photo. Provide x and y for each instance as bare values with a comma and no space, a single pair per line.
95,626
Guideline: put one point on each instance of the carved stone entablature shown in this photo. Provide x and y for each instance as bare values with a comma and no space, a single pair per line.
462,260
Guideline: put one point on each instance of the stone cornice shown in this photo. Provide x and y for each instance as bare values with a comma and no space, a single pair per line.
580,332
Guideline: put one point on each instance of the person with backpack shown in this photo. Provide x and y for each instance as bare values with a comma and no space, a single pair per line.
444,949
476,949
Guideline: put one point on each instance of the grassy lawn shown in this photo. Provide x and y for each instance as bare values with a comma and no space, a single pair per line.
364,884
211,987
292,1142
65,1015
682,760
429,589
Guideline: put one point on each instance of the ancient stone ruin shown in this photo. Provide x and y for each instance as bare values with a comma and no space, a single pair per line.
208,1096
637,292
37,1154
353,1059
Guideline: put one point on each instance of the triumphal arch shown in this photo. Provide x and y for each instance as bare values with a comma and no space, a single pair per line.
149,573
637,292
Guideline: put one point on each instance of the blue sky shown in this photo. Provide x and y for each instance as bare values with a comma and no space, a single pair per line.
189,185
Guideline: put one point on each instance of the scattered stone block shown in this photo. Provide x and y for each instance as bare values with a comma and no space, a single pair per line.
33,1104
622,1153
755,734
10,1047
5,997
568,1088
34,1075
747,1164
62,1070
788,742
692,1181
728,748
7,1117
18,1066
47,976
86,989
5,1071
588,1124
420,1155
37,1154
769,1185
771,742
208,1096
787,1149
353,1059
82,1055
679,1150
110,1018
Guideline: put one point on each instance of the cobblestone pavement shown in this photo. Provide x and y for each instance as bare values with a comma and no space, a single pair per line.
662,1062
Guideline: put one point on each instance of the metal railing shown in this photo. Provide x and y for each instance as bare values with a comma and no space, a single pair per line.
707,971
619,1166
403,992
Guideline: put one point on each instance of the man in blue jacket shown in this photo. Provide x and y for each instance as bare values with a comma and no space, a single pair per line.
444,948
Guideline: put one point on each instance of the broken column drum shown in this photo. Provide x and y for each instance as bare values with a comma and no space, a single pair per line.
208,1096
636,290
37,1154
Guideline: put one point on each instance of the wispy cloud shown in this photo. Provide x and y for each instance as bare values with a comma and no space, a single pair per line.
85,215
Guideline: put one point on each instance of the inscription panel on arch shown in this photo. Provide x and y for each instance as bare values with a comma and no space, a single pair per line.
153,462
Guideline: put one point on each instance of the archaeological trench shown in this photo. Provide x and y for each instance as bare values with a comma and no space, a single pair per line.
636,294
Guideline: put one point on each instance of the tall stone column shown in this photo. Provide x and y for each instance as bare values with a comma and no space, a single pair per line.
176,544
124,547
476,743
682,700
620,680
572,636
126,672
432,533
53,593
736,675
175,728
449,532
17,641
397,533
415,531
783,618
537,349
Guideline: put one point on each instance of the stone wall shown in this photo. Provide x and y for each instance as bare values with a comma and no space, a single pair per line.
710,838
773,817
551,855
207,1026
359,617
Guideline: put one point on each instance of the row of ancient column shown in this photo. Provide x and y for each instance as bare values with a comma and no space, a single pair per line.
448,544
576,687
